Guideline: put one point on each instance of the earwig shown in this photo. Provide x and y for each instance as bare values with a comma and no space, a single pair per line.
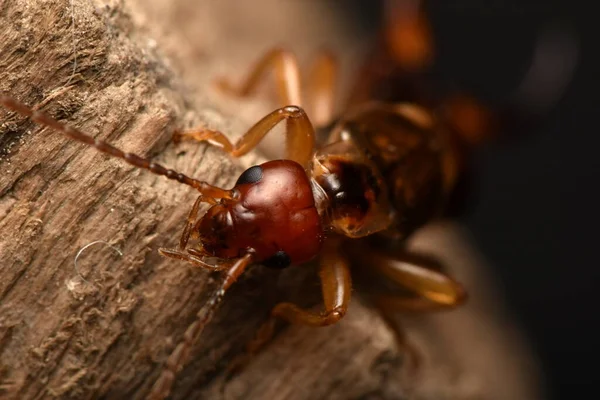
281,212
384,170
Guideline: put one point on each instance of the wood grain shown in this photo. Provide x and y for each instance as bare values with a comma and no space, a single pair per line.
105,333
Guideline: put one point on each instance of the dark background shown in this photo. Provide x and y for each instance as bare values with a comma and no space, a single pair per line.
533,213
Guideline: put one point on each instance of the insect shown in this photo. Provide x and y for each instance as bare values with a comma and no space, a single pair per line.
291,211
384,170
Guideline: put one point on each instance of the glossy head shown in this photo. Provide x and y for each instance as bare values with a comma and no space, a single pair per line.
273,215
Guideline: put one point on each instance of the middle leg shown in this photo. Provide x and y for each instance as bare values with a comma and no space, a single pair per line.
287,72
180,253
322,83
300,131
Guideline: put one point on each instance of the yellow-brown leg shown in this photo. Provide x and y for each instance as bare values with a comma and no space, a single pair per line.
389,305
408,34
287,74
321,88
191,220
472,119
180,253
336,287
300,135
321,82
300,138
435,292
192,258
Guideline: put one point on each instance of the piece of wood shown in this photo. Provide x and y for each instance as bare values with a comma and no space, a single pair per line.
104,330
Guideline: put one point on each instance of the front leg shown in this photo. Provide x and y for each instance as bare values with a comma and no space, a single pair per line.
336,287
300,135
189,256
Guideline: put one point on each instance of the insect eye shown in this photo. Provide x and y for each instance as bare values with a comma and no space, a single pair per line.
279,260
251,175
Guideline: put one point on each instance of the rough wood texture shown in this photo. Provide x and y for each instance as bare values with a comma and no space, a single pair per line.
142,70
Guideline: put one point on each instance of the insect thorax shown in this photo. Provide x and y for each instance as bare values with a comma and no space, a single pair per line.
350,193
385,169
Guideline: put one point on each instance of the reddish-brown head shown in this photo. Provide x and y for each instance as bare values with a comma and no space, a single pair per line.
274,216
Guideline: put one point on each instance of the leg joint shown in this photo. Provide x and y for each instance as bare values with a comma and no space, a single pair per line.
294,111
333,316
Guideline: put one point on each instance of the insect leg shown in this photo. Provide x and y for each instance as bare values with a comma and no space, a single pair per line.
402,53
285,66
191,220
300,135
435,292
336,288
191,258
181,353
321,88
408,34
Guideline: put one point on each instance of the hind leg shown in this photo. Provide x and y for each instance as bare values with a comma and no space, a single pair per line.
433,291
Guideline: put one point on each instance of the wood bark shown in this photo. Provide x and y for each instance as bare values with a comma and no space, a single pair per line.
128,73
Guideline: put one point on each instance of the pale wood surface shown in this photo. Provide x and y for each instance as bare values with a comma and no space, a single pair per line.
142,70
